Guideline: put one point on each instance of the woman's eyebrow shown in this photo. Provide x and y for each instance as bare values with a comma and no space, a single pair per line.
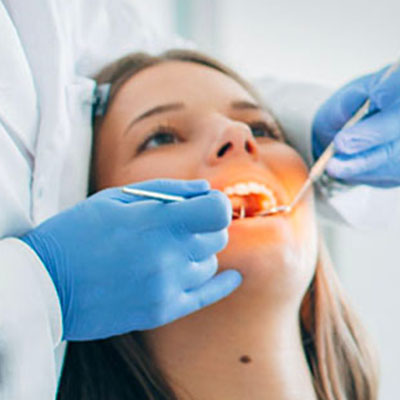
155,110
237,105
244,105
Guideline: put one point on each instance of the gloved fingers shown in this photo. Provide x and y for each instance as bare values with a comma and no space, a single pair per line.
336,111
383,177
346,166
215,289
385,93
382,127
202,245
340,107
198,273
178,187
206,213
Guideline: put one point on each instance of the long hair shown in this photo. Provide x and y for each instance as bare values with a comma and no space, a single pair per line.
340,358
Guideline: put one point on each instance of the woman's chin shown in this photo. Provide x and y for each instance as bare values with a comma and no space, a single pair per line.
253,239
270,257
258,259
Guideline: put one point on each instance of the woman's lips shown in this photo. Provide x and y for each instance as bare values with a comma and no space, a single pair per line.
249,198
250,193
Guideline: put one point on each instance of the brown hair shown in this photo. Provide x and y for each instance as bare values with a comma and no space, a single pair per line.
341,361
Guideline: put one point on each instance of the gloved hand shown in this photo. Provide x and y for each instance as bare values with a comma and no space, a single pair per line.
121,262
368,152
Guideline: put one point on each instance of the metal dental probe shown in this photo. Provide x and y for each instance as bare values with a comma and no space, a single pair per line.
152,195
318,168
165,197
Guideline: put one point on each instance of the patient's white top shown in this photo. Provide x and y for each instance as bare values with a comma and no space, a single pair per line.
49,50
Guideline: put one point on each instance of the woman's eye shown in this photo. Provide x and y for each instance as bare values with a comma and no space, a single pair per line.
158,138
261,129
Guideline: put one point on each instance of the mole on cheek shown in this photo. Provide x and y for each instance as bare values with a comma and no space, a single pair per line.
245,359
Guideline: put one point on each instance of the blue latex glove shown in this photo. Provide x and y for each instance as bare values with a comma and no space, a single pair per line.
368,152
121,262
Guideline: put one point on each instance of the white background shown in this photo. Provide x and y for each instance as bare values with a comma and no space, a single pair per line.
329,43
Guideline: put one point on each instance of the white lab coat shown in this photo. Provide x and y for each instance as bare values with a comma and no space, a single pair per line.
48,51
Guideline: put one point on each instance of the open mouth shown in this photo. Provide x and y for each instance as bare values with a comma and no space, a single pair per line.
249,199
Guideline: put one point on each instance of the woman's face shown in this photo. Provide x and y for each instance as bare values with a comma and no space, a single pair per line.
184,120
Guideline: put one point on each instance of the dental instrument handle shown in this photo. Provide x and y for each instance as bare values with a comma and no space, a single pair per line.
319,166
152,195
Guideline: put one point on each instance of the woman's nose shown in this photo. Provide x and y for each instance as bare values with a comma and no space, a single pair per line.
234,141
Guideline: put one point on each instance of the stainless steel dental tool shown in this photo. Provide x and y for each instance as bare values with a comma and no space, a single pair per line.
152,195
319,166
169,198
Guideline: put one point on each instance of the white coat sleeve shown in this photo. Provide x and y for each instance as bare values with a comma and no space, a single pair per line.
294,105
30,317
30,323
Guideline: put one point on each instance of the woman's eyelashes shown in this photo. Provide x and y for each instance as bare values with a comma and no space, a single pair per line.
159,135
168,135
262,129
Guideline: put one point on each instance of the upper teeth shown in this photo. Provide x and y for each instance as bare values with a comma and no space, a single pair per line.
247,188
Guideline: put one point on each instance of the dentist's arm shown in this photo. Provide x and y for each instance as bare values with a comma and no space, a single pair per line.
30,323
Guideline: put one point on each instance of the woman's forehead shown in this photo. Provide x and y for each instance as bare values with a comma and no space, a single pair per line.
189,82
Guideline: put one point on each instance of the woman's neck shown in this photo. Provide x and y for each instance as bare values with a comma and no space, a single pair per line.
235,349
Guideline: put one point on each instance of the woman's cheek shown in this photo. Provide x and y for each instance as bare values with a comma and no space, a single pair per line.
158,165
288,167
